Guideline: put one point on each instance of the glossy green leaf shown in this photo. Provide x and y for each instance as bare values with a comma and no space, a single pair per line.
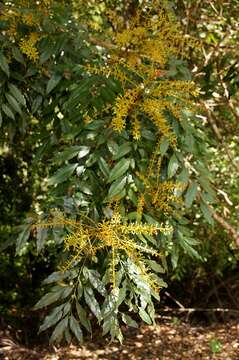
71,152
52,83
23,238
183,176
66,291
75,328
57,334
113,147
144,316
117,187
56,276
155,266
18,55
122,150
185,244
13,103
119,169
175,256
83,316
93,277
48,299
36,103
114,327
191,194
68,336
62,174
104,167
172,166
106,325
4,64
17,94
92,302
129,321
207,198
41,238
206,212
205,183
8,111
52,319
164,146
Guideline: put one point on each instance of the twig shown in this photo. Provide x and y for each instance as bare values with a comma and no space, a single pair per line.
175,300
223,310
226,226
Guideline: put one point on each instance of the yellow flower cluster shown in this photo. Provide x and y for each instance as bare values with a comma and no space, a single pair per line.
115,72
88,237
157,194
29,19
136,133
155,108
30,14
176,88
27,46
155,51
123,106
164,195
160,197
152,37
138,54
131,36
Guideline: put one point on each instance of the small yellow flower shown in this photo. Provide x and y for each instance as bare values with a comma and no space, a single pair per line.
27,46
123,106
155,108
29,50
135,127
28,19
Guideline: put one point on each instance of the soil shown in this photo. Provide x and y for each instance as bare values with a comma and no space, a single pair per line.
170,339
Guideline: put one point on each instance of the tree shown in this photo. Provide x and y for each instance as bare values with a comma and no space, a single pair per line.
108,109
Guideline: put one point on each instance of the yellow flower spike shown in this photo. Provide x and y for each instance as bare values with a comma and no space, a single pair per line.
140,207
85,240
123,106
136,133
155,108
28,19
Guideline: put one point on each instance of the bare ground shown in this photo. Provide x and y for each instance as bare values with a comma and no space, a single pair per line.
169,339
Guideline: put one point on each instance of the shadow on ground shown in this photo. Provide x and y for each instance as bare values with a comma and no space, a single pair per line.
169,339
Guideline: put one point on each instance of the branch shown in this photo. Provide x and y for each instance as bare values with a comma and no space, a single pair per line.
189,310
226,226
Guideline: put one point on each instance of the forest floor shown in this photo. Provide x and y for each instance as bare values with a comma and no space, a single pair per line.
172,338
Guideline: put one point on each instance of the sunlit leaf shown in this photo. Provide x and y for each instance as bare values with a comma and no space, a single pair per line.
129,321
